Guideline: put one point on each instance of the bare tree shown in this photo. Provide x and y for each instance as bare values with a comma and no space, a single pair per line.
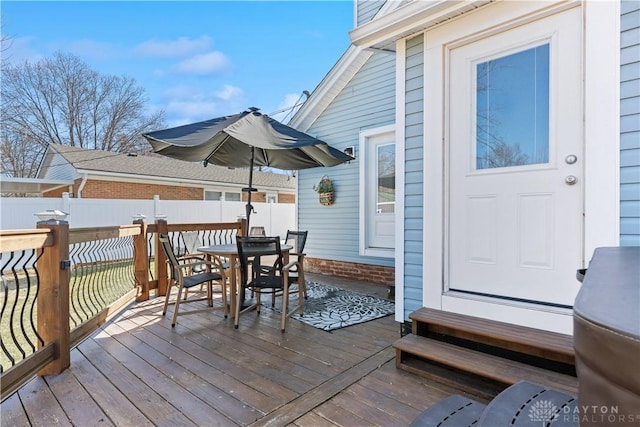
61,100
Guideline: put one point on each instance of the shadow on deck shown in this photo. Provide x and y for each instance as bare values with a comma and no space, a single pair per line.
137,370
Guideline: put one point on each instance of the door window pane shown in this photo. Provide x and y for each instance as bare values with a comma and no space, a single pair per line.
512,109
386,194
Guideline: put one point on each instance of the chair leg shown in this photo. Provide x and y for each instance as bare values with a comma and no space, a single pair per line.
166,299
285,307
223,288
258,301
302,288
236,319
175,312
209,293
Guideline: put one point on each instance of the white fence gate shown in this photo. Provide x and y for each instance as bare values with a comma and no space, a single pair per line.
19,212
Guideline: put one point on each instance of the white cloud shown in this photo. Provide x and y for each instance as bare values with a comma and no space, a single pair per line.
290,99
17,50
206,63
183,46
229,92
182,112
92,49
188,104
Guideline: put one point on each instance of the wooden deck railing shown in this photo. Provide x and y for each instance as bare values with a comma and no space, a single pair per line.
59,285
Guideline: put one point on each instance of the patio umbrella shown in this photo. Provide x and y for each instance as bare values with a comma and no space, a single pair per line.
246,139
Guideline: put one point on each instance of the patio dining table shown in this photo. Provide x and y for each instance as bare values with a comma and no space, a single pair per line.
230,252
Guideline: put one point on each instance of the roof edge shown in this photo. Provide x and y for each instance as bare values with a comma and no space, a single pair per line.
336,79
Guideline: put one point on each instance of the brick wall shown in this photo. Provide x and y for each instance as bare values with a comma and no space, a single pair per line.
286,198
351,270
95,189
261,197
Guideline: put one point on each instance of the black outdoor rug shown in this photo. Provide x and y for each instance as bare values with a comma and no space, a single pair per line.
329,307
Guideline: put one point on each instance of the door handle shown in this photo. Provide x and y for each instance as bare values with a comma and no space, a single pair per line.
570,180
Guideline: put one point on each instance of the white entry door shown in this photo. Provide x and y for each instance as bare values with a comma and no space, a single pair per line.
378,198
515,163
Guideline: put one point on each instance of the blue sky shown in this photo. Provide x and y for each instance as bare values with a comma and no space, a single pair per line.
196,60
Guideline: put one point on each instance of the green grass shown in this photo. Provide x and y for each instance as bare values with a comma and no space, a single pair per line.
93,287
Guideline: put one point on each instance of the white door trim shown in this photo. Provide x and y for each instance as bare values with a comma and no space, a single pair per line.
601,132
401,49
365,153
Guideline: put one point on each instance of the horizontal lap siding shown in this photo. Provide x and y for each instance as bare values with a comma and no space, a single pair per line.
367,9
368,101
630,124
414,175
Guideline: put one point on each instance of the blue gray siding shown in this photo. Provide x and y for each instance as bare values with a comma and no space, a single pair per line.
367,101
367,9
413,175
630,123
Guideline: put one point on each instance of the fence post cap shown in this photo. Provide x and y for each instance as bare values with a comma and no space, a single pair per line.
52,216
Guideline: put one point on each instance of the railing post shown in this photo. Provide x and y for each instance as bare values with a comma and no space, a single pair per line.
53,296
141,261
161,259
243,227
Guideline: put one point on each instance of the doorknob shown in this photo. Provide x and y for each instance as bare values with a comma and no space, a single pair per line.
570,180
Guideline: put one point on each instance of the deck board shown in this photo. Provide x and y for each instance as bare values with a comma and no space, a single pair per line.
76,402
13,413
138,370
116,406
40,404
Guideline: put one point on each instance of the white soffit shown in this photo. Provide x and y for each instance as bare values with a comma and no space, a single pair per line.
411,18
30,185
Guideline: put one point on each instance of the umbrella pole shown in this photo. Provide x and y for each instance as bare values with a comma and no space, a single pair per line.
249,190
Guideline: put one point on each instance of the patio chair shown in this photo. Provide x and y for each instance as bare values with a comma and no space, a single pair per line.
185,275
297,239
191,242
259,280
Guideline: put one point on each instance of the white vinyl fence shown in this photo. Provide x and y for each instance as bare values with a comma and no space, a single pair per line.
19,212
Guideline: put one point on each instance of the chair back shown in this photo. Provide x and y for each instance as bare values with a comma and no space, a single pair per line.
297,239
251,249
191,241
171,256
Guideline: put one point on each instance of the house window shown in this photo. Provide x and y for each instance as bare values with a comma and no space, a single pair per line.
213,195
378,191
232,197
272,198
512,109
220,196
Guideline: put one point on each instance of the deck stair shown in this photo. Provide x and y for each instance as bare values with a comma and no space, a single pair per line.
483,356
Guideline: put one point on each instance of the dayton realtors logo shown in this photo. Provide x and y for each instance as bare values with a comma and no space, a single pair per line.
544,411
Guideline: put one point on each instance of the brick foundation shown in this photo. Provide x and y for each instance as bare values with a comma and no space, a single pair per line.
351,270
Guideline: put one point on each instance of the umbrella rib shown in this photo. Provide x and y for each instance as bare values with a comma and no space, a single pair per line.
213,153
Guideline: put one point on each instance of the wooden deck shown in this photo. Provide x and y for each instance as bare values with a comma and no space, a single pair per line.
137,370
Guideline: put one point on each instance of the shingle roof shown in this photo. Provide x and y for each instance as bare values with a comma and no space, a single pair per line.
146,166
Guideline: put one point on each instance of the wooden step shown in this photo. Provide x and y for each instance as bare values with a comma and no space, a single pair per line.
498,369
534,342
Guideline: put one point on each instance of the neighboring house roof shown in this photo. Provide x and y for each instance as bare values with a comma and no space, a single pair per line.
336,79
152,166
10,185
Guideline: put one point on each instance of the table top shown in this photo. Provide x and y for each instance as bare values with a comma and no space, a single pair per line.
230,249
